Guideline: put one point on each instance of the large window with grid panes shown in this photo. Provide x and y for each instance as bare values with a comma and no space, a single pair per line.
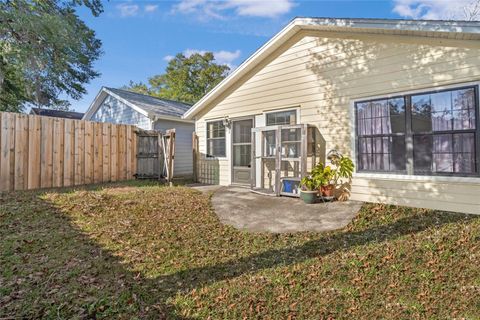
430,133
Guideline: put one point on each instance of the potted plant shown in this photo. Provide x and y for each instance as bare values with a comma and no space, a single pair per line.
328,177
309,189
324,175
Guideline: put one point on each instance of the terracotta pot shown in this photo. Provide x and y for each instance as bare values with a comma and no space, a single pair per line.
327,191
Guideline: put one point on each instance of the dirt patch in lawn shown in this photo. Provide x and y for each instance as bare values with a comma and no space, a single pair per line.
157,252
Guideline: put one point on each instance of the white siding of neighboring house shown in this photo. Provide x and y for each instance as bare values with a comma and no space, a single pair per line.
114,111
183,165
324,72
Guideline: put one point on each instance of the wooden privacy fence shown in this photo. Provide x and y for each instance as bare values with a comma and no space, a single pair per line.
43,152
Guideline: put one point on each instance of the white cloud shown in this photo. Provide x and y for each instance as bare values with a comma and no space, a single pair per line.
438,9
218,9
128,10
221,57
226,57
151,8
168,58
271,8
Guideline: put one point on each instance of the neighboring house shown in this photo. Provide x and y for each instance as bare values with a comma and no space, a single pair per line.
56,113
398,96
148,113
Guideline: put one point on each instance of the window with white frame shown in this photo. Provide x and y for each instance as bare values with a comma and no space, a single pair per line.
281,118
431,133
216,139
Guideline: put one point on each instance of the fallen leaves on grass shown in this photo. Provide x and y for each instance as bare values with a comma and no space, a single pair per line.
127,251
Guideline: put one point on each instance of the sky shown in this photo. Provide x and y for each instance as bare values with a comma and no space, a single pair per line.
139,37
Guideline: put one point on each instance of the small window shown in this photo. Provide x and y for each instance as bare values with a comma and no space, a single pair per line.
215,139
282,118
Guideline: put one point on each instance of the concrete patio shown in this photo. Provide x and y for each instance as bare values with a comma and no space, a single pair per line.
243,209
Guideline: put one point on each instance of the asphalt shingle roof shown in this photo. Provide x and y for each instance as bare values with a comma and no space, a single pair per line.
57,113
152,105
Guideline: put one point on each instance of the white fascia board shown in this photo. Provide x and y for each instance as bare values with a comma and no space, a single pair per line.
95,104
394,24
170,118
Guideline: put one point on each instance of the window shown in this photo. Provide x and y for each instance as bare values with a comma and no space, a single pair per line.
215,139
381,135
441,127
281,118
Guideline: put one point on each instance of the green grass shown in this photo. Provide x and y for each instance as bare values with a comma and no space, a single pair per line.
139,250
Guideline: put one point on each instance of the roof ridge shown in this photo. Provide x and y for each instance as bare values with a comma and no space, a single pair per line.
386,19
147,95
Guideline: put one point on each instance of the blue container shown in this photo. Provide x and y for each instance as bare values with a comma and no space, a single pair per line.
288,186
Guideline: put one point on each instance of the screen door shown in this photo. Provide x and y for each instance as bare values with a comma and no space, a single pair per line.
241,151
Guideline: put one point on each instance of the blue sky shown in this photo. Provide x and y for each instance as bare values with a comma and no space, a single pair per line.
139,36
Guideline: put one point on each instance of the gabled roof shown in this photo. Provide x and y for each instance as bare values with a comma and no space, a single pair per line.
461,30
57,113
152,107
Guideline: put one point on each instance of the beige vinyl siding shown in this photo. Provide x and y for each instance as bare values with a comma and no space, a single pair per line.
324,72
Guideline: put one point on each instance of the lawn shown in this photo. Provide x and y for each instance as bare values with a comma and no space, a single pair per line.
141,251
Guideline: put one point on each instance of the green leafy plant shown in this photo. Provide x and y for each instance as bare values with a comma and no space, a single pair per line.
344,168
329,177
309,183
323,174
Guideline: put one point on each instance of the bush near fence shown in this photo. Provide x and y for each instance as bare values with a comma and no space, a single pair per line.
43,152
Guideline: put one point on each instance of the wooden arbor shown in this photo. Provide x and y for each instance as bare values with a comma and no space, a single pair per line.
281,156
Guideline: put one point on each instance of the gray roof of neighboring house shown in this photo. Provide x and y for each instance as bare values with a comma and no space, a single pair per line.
57,113
152,105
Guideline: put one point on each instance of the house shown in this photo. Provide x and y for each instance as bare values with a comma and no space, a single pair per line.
148,113
400,97
57,113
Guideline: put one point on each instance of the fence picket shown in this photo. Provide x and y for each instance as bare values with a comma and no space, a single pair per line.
106,151
79,152
69,157
7,144
46,153
58,136
114,153
89,150
34,143
97,155
20,179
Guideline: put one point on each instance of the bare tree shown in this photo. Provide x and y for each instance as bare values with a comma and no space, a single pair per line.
471,11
